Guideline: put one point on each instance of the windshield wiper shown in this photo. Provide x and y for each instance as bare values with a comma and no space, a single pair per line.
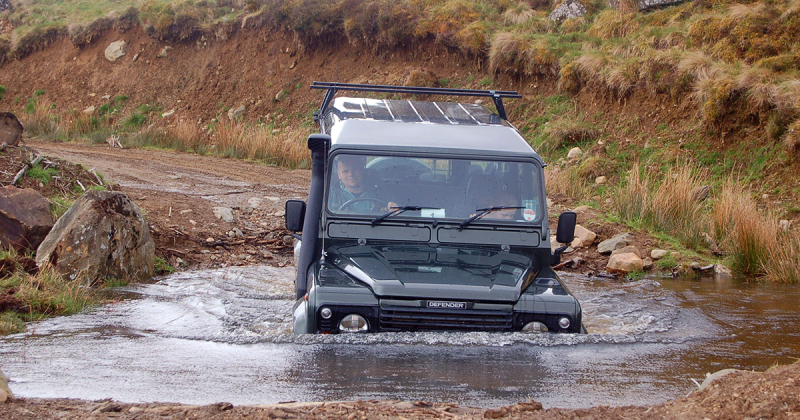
398,210
484,212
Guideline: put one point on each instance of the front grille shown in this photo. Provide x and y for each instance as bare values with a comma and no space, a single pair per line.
407,318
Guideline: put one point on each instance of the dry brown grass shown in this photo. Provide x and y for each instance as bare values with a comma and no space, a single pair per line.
518,14
783,264
761,91
613,24
568,130
566,181
698,64
506,49
632,199
749,236
675,207
744,11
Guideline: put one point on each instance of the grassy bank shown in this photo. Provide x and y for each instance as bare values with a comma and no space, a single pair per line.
702,94
279,141
31,295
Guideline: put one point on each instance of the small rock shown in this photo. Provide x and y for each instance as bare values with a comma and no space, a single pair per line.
185,211
164,52
624,263
580,210
722,272
106,97
168,113
237,233
276,131
210,240
647,264
574,154
694,265
224,213
89,110
115,50
280,213
583,237
179,261
281,96
549,203
236,113
658,254
600,180
615,242
630,249
254,202
785,225
135,57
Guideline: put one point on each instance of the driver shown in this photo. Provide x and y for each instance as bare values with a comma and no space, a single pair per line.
350,170
502,198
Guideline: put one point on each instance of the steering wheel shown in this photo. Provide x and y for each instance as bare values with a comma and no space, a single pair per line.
376,203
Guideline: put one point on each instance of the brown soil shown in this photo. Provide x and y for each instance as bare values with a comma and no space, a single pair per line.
178,191
771,394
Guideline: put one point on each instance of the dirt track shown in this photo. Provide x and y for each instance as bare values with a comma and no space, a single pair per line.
177,191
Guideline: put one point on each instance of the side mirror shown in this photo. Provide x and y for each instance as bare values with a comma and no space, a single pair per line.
295,215
566,227
565,233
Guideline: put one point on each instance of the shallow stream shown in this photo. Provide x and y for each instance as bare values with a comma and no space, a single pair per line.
225,335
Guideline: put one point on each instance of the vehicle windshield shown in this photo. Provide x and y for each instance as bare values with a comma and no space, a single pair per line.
435,188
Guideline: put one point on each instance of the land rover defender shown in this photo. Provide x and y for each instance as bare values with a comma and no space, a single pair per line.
425,216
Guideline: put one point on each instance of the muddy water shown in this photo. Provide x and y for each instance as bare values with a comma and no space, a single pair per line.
211,336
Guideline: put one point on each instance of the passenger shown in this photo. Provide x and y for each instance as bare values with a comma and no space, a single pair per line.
350,169
502,198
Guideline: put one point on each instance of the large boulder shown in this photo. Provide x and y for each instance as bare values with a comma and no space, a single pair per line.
102,236
624,263
10,129
25,218
616,242
567,10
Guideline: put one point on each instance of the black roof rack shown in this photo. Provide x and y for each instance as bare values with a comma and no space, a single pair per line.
333,87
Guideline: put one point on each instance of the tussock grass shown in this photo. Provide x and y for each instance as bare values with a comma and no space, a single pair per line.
568,130
519,13
676,208
783,264
632,199
566,181
44,294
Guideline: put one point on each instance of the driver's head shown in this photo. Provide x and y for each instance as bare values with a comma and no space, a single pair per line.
501,199
350,170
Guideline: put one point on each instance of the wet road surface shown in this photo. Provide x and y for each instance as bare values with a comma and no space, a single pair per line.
225,335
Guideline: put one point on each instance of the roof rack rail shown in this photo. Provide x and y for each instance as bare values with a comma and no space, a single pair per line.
333,87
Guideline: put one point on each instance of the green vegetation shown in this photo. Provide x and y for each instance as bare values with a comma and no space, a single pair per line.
2,91
41,174
162,267
40,295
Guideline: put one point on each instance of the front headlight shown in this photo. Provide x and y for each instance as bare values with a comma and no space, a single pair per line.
564,323
535,327
353,323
